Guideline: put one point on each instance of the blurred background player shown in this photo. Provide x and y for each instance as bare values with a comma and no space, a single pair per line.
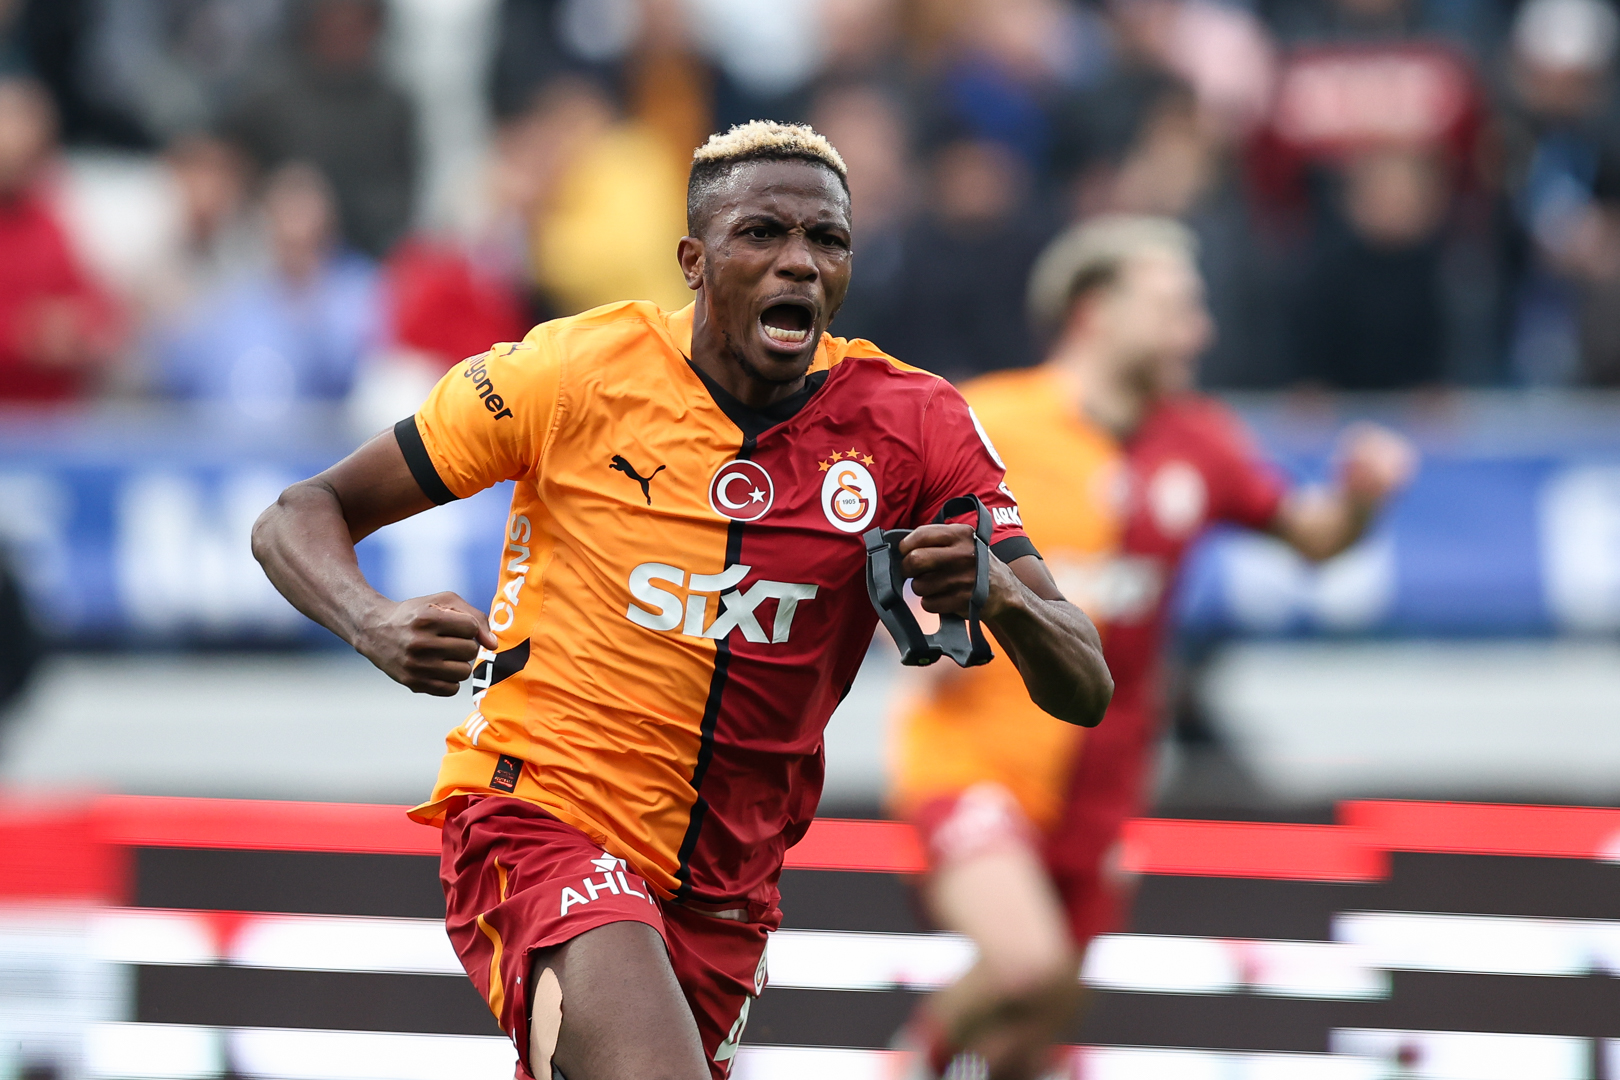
982,801
1117,459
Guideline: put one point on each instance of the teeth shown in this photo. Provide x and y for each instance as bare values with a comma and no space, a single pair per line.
786,337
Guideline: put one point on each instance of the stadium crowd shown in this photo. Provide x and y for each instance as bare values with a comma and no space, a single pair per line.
1389,194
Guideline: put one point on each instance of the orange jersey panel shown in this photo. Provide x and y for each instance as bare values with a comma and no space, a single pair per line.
955,727
682,599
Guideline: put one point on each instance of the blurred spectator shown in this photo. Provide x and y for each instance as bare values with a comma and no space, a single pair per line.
296,332
169,65
1001,70
1221,51
13,50
613,210
1371,313
330,105
641,51
56,326
528,46
765,55
1183,164
216,243
961,294
869,129
1475,27
54,38
1560,137
443,305
863,40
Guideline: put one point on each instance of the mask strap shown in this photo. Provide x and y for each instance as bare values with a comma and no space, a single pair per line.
960,639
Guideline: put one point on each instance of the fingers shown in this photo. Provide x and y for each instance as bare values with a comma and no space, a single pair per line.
932,536
941,561
437,686
479,626
442,643
1376,461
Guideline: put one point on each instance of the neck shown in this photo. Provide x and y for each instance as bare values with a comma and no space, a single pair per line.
725,365
1101,390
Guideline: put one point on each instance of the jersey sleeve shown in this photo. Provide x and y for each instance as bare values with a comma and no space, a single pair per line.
1250,488
489,419
959,459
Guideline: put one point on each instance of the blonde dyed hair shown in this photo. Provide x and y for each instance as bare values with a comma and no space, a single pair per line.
1092,255
765,140
757,140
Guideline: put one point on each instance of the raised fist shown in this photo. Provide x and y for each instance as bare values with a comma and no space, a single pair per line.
1374,462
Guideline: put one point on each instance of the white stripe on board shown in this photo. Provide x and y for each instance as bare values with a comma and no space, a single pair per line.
1468,1055
1484,944
1355,966
180,1052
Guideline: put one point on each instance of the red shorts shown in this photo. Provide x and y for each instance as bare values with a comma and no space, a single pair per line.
517,880
1107,787
985,817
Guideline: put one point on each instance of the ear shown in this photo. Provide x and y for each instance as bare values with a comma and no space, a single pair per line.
690,253
1083,315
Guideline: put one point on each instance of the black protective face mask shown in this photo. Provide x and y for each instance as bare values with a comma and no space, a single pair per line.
960,639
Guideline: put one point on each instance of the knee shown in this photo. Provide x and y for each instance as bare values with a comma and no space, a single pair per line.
1035,979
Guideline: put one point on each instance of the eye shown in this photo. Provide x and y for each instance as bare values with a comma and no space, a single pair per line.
758,232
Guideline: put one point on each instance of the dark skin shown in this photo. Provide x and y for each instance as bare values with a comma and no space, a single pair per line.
775,237
778,232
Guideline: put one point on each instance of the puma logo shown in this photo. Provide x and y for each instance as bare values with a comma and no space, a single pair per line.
621,465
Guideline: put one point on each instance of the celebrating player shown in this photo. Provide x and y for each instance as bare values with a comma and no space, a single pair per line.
682,604
1119,467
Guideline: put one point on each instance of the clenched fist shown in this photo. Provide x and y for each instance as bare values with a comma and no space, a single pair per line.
1374,463
427,643
942,563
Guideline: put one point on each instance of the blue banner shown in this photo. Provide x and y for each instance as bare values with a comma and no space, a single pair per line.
133,528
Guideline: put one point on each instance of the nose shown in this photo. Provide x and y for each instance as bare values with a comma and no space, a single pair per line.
796,261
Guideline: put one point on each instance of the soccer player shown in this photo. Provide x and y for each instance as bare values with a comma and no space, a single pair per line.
1020,823
682,604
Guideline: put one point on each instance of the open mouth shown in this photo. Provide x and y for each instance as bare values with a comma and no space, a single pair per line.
786,324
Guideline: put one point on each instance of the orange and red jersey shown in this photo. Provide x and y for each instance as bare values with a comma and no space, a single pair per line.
1191,464
962,727
682,599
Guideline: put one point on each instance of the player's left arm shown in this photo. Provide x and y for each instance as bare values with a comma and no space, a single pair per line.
1055,646
1319,523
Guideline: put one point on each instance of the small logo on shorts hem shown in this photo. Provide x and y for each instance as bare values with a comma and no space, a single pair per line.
507,770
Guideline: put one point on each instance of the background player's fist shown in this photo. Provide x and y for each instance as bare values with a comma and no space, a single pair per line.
427,643
941,562
1374,463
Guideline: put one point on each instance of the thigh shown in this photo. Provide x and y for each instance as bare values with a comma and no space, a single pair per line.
518,882
624,1016
987,880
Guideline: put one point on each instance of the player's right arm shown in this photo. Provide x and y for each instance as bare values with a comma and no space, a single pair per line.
305,542
1374,464
487,420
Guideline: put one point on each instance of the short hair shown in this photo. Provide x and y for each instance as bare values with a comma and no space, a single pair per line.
1092,255
757,140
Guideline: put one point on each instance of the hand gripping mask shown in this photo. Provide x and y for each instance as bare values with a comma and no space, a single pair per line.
960,639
